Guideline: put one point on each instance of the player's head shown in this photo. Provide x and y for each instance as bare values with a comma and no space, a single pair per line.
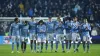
85,21
16,20
49,18
68,19
75,19
58,19
32,18
41,22
25,22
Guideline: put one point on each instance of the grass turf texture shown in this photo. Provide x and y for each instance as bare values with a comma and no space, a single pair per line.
5,50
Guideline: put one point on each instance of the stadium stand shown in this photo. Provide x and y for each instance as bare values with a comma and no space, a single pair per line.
45,8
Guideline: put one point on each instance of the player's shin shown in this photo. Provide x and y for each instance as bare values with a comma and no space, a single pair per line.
56,46
78,44
38,46
51,45
63,46
17,44
66,44
12,46
88,46
31,45
41,46
84,45
22,46
69,44
35,45
74,44
46,44
25,46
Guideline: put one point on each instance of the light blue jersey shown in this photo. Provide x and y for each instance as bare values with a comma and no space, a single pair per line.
50,27
14,29
67,26
24,30
75,27
59,27
86,28
41,31
32,26
41,28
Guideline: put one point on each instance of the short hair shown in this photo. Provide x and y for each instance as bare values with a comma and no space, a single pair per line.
26,21
32,17
16,19
41,21
75,17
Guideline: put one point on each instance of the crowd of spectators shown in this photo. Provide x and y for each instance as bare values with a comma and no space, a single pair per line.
45,8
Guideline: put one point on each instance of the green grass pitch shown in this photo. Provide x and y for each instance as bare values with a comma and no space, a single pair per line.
5,50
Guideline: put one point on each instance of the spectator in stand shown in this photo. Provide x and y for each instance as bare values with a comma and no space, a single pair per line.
90,11
49,7
21,7
76,8
27,5
30,12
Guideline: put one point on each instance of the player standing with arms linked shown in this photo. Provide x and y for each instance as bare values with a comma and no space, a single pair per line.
59,30
68,37
41,35
24,35
32,33
86,28
50,32
75,33
14,32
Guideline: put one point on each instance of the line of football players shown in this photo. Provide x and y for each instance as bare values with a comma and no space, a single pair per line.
66,32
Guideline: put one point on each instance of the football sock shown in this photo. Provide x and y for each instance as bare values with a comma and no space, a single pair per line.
31,44
46,45
17,44
62,45
51,45
56,45
34,45
41,46
84,45
12,46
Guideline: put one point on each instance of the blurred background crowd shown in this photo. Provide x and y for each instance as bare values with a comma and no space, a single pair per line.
89,9
45,8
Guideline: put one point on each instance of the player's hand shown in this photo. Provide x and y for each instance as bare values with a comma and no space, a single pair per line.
86,28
